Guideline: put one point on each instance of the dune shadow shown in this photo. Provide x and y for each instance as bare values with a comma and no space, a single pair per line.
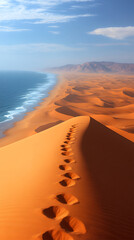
129,93
46,126
67,111
129,129
110,163
75,98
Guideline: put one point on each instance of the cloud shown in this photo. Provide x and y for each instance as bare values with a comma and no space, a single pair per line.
53,18
33,48
118,33
54,32
11,29
50,2
53,26
38,12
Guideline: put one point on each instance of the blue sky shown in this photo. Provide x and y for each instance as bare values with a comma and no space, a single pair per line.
36,34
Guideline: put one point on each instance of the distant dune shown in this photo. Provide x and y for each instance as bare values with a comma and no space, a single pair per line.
107,98
99,67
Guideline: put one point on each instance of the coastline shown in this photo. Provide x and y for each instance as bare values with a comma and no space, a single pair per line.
21,128
15,106
70,98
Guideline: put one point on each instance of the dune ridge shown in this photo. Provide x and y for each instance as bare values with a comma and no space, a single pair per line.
98,206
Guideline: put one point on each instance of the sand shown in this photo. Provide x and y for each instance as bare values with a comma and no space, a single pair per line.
73,180
98,205
107,98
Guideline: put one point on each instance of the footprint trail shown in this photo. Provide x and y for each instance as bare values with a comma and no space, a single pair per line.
67,223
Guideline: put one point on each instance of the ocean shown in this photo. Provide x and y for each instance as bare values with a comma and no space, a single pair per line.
20,92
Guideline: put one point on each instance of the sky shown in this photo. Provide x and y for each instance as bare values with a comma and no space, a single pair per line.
38,34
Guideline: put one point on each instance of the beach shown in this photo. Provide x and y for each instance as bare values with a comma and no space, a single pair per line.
67,168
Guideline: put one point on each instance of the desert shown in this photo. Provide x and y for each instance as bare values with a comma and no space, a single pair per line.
67,168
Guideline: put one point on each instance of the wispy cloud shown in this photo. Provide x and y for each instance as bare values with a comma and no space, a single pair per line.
33,48
50,2
11,29
37,11
53,26
53,18
118,33
54,32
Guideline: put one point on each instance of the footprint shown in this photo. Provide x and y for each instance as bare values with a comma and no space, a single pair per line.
72,224
69,161
56,235
72,129
69,133
67,182
56,212
66,148
72,175
74,126
67,153
67,198
66,141
70,139
65,167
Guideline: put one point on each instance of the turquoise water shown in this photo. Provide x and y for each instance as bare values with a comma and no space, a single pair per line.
20,92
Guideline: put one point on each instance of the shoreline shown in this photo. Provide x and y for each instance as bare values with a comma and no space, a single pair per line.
27,101
77,94
12,134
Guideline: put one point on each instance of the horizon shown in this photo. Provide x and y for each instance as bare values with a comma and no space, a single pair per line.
35,35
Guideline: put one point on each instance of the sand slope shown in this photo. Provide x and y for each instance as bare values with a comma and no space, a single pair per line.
96,201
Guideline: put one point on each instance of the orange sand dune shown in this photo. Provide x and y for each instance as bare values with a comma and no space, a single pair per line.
99,205
107,98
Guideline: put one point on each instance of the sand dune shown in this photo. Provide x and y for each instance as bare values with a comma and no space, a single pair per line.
104,97
96,200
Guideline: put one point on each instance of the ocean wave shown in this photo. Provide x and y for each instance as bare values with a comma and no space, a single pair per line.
32,98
